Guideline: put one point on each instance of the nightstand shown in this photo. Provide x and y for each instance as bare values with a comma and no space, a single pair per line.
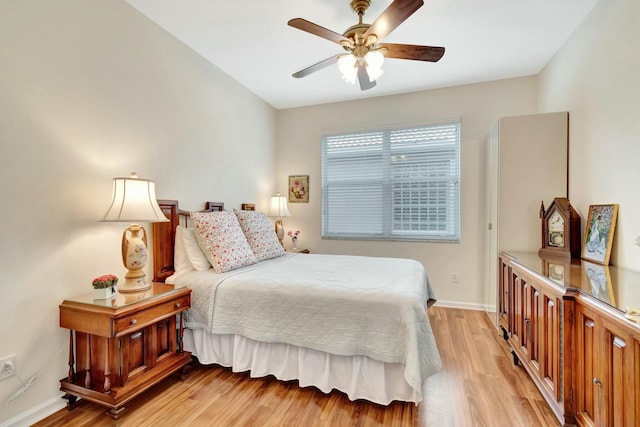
121,346
299,251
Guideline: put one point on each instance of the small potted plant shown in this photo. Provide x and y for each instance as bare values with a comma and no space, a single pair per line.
104,286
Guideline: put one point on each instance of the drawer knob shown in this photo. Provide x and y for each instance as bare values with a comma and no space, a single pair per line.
134,321
178,305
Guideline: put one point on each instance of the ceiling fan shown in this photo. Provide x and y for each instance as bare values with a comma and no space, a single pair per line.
365,53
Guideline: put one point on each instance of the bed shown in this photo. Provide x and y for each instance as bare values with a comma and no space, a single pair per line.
350,323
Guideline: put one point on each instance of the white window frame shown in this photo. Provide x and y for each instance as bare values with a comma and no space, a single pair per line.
392,184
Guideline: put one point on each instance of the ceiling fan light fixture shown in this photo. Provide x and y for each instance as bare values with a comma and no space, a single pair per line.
348,66
374,60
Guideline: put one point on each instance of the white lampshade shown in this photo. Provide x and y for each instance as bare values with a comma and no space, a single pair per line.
347,64
374,60
278,206
134,200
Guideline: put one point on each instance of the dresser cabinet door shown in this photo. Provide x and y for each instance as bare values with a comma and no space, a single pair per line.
133,354
619,371
608,370
548,307
588,396
534,330
518,332
503,296
165,338
542,335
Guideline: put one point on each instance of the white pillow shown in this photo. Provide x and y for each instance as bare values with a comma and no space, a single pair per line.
197,258
180,258
260,234
222,240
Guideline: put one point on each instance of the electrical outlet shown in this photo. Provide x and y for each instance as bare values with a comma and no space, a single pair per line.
7,367
454,277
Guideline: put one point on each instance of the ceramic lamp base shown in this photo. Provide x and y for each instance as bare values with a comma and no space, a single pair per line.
134,257
280,231
137,284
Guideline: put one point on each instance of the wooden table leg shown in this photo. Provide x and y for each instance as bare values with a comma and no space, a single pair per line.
115,413
71,400
71,375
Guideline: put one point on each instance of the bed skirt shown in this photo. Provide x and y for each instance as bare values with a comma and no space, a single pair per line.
359,377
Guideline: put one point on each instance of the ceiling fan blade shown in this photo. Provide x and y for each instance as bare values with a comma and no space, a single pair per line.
315,29
414,52
315,67
363,78
394,15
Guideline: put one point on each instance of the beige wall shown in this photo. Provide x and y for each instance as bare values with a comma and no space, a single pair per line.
90,91
478,106
595,77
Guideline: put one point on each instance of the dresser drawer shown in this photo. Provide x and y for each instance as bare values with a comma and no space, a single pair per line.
149,315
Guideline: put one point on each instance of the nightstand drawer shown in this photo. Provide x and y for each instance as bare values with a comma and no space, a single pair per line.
140,319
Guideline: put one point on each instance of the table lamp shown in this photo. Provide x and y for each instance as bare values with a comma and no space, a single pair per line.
134,201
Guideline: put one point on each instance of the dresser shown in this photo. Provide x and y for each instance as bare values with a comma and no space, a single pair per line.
121,346
566,325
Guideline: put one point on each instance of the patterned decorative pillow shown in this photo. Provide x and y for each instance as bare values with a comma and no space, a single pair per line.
260,234
197,258
222,240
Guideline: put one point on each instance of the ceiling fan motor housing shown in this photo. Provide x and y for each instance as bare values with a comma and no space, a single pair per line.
356,32
359,6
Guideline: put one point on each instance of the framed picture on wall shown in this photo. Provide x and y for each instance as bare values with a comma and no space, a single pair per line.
298,188
598,236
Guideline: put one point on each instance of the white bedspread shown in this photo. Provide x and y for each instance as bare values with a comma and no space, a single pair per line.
344,305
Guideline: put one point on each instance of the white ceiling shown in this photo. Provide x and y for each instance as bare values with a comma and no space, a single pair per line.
251,41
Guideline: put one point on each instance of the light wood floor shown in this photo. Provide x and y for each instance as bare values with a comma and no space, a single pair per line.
479,386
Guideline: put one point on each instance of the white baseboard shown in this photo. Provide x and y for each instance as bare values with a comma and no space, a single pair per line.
461,305
37,413
490,308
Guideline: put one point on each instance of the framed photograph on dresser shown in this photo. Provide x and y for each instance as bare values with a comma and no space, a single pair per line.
598,235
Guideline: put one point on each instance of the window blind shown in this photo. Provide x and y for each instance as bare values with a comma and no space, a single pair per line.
392,184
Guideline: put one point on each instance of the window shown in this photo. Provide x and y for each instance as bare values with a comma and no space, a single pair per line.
395,184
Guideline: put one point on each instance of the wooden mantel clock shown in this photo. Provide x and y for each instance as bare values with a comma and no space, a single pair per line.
560,230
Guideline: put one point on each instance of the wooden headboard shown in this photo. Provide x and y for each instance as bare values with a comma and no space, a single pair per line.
164,236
